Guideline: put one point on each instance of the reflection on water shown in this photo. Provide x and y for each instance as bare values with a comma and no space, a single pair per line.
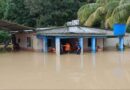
119,71
94,60
31,70
82,61
58,63
45,59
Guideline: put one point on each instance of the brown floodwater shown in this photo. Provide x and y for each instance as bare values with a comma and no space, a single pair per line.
32,70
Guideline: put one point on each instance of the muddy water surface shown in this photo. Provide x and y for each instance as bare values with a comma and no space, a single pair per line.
32,70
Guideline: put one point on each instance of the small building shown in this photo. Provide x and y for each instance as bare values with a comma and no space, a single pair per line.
91,39
43,39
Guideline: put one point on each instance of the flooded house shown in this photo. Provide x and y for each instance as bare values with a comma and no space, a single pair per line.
90,39
51,39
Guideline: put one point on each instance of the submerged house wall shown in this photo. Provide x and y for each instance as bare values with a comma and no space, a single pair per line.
32,41
37,44
127,41
29,41
85,44
100,43
112,42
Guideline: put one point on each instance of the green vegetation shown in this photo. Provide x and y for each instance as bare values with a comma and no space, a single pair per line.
37,13
105,13
40,13
5,39
4,36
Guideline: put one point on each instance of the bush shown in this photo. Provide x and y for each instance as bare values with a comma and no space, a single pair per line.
4,36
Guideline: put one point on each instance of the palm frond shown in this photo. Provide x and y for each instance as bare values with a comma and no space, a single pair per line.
124,1
94,17
110,7
85,11
105,2
107,13
120,14
128,21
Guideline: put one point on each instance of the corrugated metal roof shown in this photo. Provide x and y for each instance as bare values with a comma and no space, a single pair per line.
74,31
13,26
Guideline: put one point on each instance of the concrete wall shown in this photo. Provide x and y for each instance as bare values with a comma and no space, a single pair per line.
127,41
85,44
36,44
100,43
111,42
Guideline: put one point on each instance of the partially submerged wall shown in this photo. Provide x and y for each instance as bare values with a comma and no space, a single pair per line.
112,42
37,44
29,41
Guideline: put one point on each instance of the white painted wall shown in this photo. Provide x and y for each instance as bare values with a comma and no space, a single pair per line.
127,41
111,42
100,43
36,43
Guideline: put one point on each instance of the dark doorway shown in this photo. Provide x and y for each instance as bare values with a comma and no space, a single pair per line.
89,42
16,46
51,42
13,39
72,42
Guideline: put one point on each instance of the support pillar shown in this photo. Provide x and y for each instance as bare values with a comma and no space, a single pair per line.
57,44
45,44
121,43
93,44
81,44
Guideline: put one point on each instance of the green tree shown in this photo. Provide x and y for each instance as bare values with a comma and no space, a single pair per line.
53,12
106,13
2,8
40,13
4,36
17,12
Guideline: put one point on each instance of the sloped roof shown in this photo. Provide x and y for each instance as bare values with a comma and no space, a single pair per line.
13,26
73,31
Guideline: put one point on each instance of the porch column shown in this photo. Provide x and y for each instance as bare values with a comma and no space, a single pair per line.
121,43
45,44
81,44
57,45
93,41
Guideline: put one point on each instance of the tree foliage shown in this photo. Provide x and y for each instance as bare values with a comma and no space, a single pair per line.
107,13
16,11
4,36
53,12
40,13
